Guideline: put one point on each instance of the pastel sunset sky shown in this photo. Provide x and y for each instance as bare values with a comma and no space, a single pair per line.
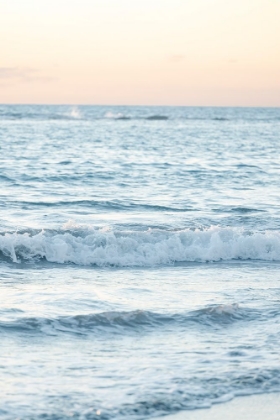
146,52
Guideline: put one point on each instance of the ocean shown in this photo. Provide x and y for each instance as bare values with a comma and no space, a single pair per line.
139,259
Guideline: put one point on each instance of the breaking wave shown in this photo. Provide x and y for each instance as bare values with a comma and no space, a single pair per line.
107,247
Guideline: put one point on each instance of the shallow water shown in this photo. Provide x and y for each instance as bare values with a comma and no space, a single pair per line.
139,259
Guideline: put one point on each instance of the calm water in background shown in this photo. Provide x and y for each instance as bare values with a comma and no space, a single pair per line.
139,259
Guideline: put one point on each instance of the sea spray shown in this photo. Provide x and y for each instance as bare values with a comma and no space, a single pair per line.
104,247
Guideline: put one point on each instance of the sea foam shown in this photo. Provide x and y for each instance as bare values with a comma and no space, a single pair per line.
103,247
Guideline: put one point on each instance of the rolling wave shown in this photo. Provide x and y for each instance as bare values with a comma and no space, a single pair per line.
121,321
106,247
101,204
83,324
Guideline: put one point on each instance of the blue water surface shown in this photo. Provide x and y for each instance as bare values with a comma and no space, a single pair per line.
139,259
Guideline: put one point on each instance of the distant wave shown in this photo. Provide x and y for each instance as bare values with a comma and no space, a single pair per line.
116,116
100,204
75,114
120,116
39,116
157,118
238,210
105,247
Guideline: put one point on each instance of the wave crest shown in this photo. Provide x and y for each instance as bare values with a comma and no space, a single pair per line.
136,320
83,324
105,247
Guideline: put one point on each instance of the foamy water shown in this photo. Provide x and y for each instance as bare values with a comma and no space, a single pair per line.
145,248
139,259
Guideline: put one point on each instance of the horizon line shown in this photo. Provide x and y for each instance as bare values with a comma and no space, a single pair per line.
134,105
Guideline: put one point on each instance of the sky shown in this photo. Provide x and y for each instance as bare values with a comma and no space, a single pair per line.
140,52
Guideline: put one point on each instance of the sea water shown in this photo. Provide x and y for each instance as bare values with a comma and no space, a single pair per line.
139,259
